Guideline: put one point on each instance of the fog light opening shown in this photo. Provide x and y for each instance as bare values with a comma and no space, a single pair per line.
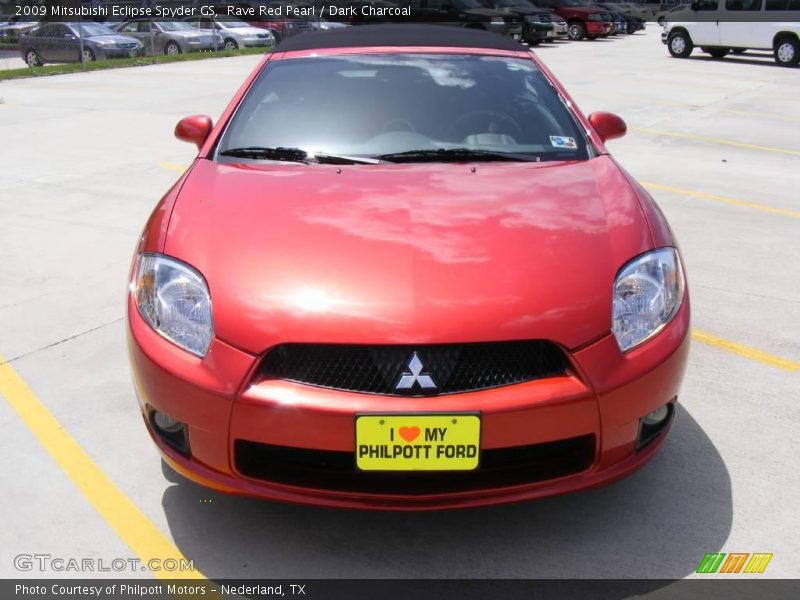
652,424
166,423
171,431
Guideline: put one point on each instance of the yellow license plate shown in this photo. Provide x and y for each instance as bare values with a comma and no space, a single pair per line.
418,442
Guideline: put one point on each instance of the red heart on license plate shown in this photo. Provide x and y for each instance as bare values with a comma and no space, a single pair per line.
409,434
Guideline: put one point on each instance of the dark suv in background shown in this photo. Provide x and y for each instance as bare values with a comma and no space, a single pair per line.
464,13
584,20
538,24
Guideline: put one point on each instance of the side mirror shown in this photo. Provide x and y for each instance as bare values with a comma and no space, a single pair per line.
608,125
194,129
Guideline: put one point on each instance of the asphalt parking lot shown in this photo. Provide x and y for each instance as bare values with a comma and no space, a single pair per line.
85,157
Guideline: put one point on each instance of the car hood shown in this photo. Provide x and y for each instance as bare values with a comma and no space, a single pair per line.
425,253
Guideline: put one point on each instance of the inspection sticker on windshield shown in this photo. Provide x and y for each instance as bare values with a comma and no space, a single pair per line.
559,141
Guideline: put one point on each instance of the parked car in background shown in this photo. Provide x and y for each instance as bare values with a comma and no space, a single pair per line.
661,16
464,13
229,33
635,9
15,27
583,19
75,42
538,24
163,37
356,12
651,7
280,26
718,27
633,22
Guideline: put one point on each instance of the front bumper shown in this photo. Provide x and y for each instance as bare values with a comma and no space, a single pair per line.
559,30
599,402
106,53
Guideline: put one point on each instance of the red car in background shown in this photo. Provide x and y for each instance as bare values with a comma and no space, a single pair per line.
584,21
404,272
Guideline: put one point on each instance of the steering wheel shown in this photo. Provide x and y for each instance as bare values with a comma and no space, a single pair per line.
492,116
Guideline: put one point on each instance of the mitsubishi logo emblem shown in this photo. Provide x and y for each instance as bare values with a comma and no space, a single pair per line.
415,375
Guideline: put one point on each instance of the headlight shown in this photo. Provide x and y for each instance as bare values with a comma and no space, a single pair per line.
647,293
173,298
595,17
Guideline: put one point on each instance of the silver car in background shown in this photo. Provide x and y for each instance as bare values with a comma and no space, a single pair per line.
229,33
162,37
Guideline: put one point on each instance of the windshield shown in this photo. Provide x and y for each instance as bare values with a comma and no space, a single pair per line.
233,24
90,29
372,105
175,26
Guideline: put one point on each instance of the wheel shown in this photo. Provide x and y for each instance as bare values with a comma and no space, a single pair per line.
172,49
680,44
87,55
787,52
231,44
630,29
577,30
32,59
718,52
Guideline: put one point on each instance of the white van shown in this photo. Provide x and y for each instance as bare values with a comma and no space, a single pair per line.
721,26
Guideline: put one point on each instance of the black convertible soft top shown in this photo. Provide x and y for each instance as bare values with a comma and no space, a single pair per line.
399,35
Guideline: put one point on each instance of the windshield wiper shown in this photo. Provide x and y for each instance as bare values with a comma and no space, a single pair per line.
455,154
262,153
296,155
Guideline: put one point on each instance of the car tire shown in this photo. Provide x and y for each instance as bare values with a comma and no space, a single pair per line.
87,55
718,53
172,48
32,58
787,52
576,30
680,44
230,44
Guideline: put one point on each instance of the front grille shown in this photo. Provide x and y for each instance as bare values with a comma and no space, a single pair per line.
328,470
453,368
127,45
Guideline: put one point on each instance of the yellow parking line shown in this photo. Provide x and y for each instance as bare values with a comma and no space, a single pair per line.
171,166
713,140
755,114
121,514
745,351
713,197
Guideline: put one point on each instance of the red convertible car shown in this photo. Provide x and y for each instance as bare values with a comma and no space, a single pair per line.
404,272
